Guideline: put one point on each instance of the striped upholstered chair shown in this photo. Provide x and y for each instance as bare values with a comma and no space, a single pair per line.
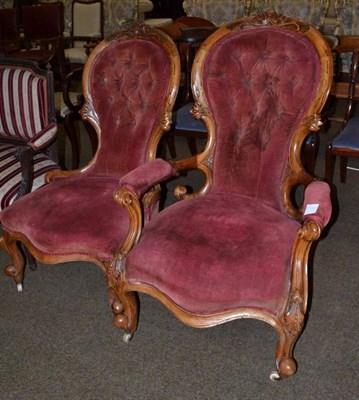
27,128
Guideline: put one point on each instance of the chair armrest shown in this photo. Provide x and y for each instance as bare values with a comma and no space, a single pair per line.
317,204
147,175
44,137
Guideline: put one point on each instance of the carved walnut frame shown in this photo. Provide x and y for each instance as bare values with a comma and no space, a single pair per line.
290,319
9,242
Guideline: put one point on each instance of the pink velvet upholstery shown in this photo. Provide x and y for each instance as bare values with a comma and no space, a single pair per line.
127,89
270,79
317,204
77,213
133,74
147,175
233,260
232,248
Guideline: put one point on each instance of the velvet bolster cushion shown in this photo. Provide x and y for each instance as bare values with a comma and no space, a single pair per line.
317,204
240,256
147,175
80,214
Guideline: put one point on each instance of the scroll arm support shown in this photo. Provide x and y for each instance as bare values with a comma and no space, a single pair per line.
293,316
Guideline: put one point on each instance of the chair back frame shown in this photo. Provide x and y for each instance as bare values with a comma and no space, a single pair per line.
296,174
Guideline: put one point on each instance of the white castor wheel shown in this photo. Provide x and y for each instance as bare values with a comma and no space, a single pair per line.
19,287
127,337
274,376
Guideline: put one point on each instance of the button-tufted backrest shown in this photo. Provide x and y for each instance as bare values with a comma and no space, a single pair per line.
129,84
259,83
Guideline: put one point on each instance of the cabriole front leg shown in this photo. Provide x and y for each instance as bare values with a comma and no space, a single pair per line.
16,269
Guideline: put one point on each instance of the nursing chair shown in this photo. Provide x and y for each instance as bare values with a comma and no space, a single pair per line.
130,83
238,248
87,29
346,143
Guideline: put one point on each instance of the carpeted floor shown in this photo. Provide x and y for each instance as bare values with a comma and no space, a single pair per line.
57,340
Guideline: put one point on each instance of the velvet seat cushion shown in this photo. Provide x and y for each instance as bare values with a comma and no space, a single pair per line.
76,215
217,253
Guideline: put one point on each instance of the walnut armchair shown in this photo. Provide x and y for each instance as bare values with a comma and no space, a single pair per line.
238,248
130,83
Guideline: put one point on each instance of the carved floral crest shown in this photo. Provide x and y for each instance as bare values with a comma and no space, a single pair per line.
272,18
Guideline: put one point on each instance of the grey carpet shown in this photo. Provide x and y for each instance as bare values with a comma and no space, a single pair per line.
57,340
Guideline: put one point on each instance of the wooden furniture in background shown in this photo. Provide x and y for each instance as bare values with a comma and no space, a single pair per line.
346,143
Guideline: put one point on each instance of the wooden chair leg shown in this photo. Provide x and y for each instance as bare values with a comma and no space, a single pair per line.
192,145
16,269
69,125
343,168
329,162
92,136
30,259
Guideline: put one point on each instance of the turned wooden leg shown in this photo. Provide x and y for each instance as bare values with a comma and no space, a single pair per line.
31,261
125,309
16,269
70,128
329,161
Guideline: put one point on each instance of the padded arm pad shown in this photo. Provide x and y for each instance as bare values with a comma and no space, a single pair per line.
147,175
317,203
44,137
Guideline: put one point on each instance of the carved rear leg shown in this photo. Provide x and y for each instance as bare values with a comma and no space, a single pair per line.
16,269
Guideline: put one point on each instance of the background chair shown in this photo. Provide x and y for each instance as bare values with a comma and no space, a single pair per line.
346,143
130,84
9,30
27,128
68,104
43,27
188,33
87,29
238,247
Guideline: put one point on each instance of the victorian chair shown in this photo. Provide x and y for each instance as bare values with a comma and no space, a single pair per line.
87,28
10,30
43,27
238,248
346,142
27,128
130,84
